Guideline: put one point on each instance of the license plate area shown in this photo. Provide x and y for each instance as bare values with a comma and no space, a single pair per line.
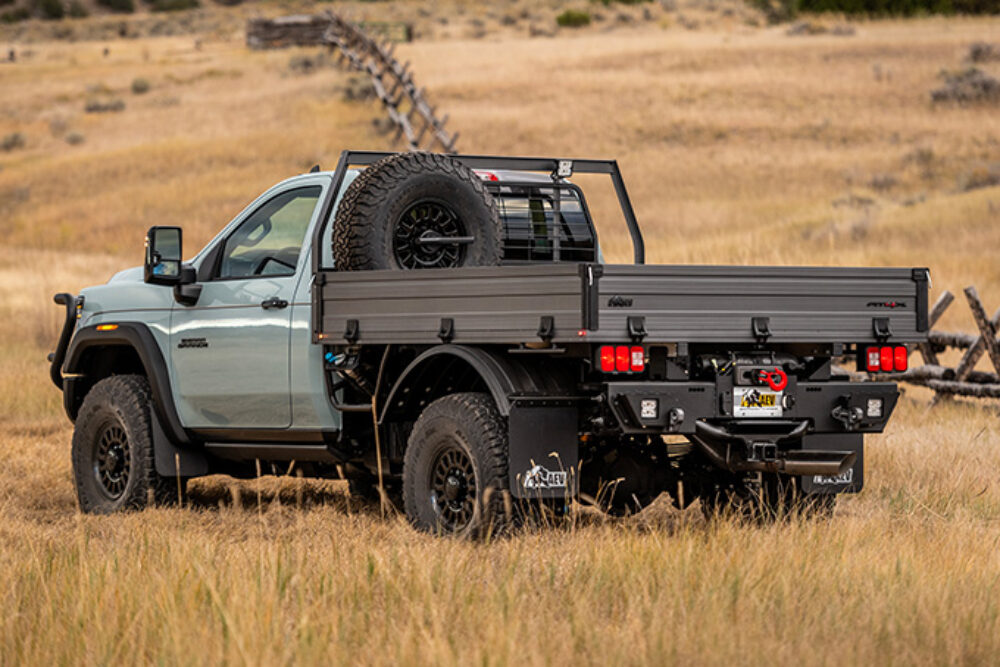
756,402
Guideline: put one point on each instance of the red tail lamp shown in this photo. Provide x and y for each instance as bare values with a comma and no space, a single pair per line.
622,359
886,359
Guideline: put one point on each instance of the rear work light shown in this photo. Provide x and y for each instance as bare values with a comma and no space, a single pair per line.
622,359
886,359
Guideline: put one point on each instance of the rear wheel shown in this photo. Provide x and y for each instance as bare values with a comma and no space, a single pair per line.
455,468
113,463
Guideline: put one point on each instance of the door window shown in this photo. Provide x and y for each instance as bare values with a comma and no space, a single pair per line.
268,243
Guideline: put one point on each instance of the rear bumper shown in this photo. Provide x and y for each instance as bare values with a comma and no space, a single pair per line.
824,407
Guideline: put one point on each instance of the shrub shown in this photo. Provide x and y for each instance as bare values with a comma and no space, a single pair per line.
982,176
307,64
95,105
573,18
898,7
15,15
982,52
12,142
359,89
140,86
51,10
7,2
77,10
74,139
970,86
121,6
173,5
777,11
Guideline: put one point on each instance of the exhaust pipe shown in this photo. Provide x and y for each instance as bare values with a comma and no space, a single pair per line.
817,462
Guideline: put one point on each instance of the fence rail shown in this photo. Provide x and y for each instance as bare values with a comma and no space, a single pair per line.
413,117
963,379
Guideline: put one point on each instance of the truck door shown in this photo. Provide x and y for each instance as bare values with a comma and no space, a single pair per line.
230,352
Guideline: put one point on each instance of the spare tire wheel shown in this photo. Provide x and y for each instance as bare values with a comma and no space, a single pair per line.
416,211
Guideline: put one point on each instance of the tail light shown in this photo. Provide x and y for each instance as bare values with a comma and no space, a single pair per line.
886,359
608,359
638,359
872,362
622,359
900,358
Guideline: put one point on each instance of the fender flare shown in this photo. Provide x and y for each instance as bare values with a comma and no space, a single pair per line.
503,377
137,336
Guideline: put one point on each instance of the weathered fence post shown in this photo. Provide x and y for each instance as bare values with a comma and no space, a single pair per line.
962,380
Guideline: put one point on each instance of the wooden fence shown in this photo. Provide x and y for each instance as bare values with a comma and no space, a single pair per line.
308,30
961,380
414,119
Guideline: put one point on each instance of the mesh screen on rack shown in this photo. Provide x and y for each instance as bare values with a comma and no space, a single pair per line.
544,222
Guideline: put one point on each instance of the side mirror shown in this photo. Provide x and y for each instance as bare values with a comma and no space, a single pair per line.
163,256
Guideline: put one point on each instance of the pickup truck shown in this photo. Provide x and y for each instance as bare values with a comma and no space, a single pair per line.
442,332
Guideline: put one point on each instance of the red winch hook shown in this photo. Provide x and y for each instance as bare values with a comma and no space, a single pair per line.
777,379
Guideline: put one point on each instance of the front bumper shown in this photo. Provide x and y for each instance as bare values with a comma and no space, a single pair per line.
68,301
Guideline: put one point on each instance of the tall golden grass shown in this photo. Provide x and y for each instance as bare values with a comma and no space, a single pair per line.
740,146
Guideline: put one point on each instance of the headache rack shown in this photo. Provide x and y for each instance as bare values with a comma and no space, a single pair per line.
562,227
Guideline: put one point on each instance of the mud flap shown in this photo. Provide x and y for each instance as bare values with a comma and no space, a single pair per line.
172,460
852,480
543,450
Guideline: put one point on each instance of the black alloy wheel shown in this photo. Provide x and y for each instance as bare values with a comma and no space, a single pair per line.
453,489
112,460
429,235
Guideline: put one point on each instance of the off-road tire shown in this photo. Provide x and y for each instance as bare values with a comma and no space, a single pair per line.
378,198
121,405
468,422
779,498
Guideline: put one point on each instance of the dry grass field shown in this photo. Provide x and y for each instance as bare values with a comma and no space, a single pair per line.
740,144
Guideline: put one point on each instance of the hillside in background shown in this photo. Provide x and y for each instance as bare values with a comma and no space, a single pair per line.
24,20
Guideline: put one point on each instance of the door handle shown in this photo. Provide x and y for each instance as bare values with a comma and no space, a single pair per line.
273,303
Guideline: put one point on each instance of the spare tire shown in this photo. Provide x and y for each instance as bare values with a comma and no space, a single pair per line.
416,211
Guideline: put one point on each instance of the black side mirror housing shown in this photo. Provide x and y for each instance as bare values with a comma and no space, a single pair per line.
162,265
187,291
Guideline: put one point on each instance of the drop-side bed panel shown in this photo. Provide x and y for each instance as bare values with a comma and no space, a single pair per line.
502,304
710,304
801,304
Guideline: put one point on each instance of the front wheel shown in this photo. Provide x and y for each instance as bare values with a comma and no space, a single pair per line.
455,469
113,463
